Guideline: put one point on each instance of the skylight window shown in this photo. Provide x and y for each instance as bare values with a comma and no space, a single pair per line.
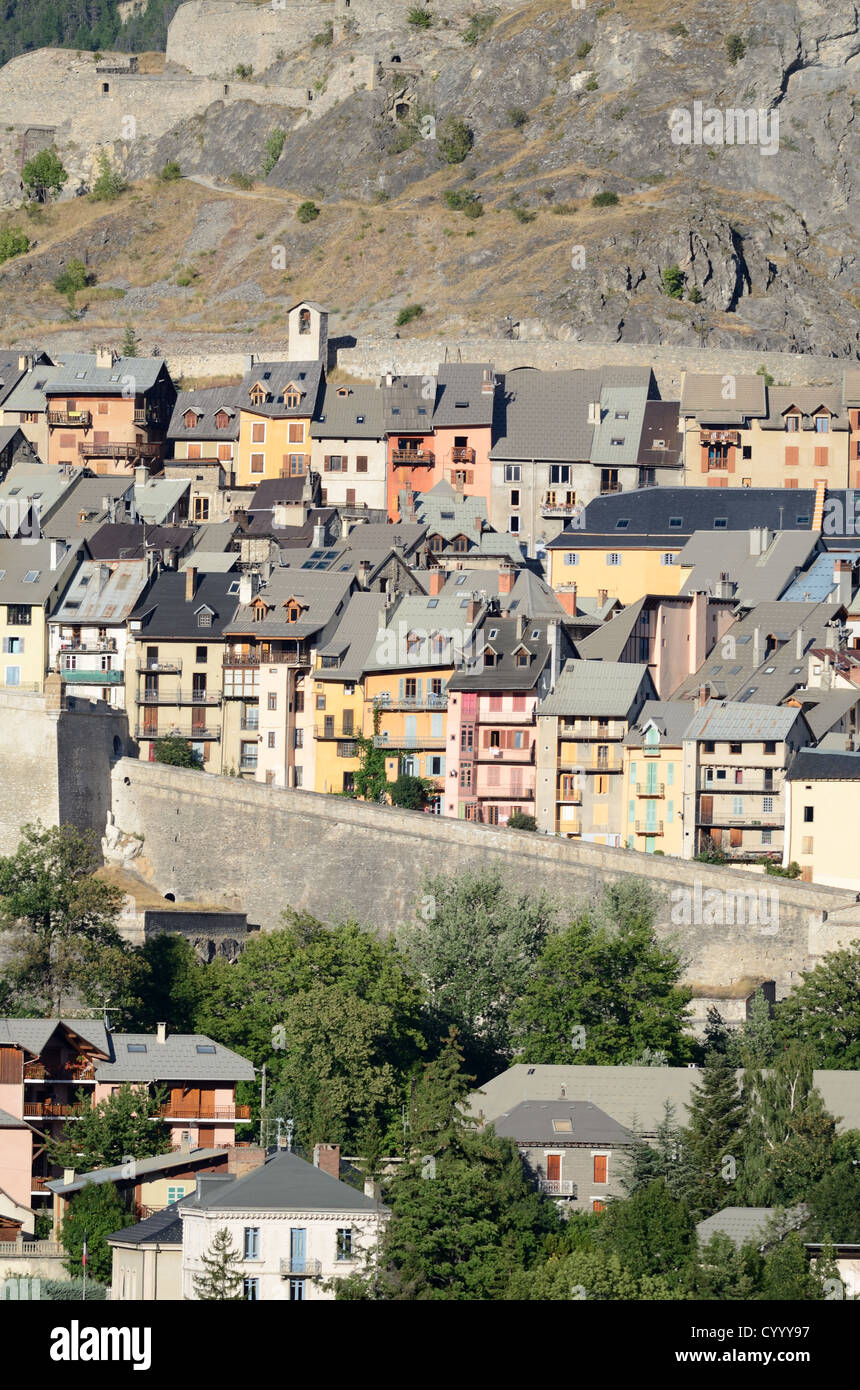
205,1047
136,1047
622,414
535,634
563,1126
234,587
622,523
359,419
461,405
616,442
493,632
734,670
769,670
675,522
462,579
803,521
31,576
720,523
432,603
2,574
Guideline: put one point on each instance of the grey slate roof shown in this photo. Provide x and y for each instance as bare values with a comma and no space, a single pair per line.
285,1182
530,594
742,1224
830,710
207,404
356,415
17,561
425,616
607,642
176,1059
661,444
36,483
86,498
544,415
355,638
123,540
587,689
83,377
275,377
505,674
407,405
671,717
815,765
533,1122
808,401
162,1228
676,512
702,396
728,719
757,578
635,1096
320,592
34,1034
8,1121
143,1167
29,393
459,398
616,440
10,374
165,611
156,499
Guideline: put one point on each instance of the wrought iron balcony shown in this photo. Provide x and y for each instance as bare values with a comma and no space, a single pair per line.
645,827
557,1187
650,789
298,1266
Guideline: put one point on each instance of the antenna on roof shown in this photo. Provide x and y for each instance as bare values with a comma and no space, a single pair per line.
106,1011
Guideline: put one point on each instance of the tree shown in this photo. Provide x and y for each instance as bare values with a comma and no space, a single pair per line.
92,1214
409,792
13,242
454,139
121,1128
474,946
464,1216
130,345
834,1204
173,985
307,211
717,1035
823,1011
60,918
272,149
735,47
74,278
714,1137
170,172
43,175
109,182
371,780
665,1160
520,820
789,1136
595,1274
605,989
651,1232
176,751
673,282
755,1043
725,1273
221,1280
788,1275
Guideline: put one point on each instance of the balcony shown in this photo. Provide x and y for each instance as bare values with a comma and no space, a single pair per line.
570,827
164,667
593,729
299,1266
140,450
608,764
71,419
412,702
333,730
250,724
728,788
234,657
204,1112
80,675
412,458
646,827
557,1187
650,789
201,735
179,697
72,648
520,756
550,507
49,1109
749,821
407,745
720,437
499,717
505,791
572,798
72,1074
460,455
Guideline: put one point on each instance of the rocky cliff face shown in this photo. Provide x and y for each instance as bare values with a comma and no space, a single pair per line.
564,104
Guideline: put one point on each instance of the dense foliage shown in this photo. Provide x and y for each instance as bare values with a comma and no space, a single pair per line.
82,24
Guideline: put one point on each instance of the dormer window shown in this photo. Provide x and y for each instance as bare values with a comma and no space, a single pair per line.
204,617
258,610
222,420
822,424
258,394
292,611
460,544
292,396
191,418
522,658
792,423
343,390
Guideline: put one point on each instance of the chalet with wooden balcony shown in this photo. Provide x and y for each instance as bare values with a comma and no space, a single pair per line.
572,1149
109,413
581,729
492,725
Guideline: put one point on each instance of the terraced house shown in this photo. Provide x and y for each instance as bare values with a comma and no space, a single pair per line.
653,795
33,580
110,413
349,449
88,633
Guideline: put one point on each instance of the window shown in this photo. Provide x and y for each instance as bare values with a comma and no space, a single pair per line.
361,463
272,699
297,1290
559,473
513,525
175,1194
298,774
258,433
515,497
206,1047
667,558
767,837
808,814
343,1243
708,746
822,424
767,805
512,472
320,702
201,509
298,738
270,739
204,617
200,657
613,558
18,615
792,423
735,749
571,557
601,1162
296,434
466,776
257,462
13,675
251,1290
135,1047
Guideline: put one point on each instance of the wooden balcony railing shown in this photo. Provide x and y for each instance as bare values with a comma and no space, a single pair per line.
88,450
81,419
411,457
461,455
179,1111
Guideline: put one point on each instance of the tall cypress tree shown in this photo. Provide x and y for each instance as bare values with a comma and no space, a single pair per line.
714,1137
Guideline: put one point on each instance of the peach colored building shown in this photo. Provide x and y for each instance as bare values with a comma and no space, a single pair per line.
109,413
440,428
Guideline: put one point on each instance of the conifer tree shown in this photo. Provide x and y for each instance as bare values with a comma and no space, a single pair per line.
714,1137
221,1279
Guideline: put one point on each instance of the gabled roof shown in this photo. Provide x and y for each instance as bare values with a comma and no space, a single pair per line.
544,415
157,497
509,638
807,401
408,405
129,541
729,719
703,395
165,611
743,1224
84,377
670,717
660,514
285,1182
599,689
178,1058
143,1167
275,377
206,404
34,1034
99,594
561,1122
162,1228
18,561
459,397
818,765
323,593
355,638
356,415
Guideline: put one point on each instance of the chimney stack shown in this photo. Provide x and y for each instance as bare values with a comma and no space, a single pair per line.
319,535
799,643
141,475
190,583
105,357
437,582
507,578
161,1032
602,596
757,647
327,1159
567,599
58,550
242,1159
703,695
488,383
594,413
472,608
843,576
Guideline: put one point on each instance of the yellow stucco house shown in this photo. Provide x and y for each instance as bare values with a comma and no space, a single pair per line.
33,580
653,783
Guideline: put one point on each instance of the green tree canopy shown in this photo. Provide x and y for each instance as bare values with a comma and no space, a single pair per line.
60,919
176,751
714,1137
43,175
823,1011
604,990
121,1128
652,1233
789,1136
95,1212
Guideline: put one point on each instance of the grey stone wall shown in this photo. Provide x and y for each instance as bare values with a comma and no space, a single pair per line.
261,849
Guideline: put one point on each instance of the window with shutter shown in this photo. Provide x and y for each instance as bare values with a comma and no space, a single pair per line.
361,464
792,456
600,1163
822,457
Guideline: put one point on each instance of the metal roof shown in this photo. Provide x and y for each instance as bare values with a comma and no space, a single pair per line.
155,499
742,1224
101,594
729,719
84,377
704,395
598,689
616,440
143,1167
34,1034
320,594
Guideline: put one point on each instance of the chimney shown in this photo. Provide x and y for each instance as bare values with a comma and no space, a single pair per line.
831,636
472,608
799,643
507,578
843,575
185,1144
437,582
479,524
319,535
55,695
327,1159
279,514
105,357
755,541
594,413
244,1159
757,647
488,383
725,587
141,475
161,1032
104,576
246,588
58,550
567,599
703,695
372,1189
190,583
68,1175
602,596
25,362
364,569
553,636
